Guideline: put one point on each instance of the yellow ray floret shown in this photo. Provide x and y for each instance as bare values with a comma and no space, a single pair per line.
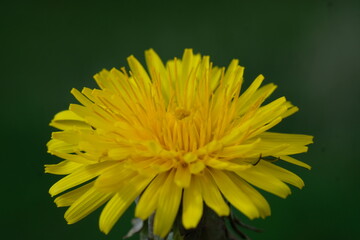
179,133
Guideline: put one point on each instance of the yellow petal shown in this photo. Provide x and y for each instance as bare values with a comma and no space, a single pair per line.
295,161
187,65
139,73
67,115
168,206
268,113
280,173
234,194
148,201
230,70
62,168
291,109
56,145
112,81
119,153
101,79
265,127
267,149
215,75
113,179
249,92
73,158
81,111
182,176
157,70
68,119
297,142
233,78
81,98
258,200
236,151
293,149
265,181
79,176
69,136
70,197
258,97
228,165
192,205
86,204
212,195
124,197
299,139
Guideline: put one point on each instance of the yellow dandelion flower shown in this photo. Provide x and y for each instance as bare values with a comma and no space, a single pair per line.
179,133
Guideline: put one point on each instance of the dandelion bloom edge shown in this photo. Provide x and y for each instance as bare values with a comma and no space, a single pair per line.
175,134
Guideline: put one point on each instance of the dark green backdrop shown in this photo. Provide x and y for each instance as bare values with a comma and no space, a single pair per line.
311,49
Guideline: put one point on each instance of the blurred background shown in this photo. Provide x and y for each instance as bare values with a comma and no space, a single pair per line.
310,49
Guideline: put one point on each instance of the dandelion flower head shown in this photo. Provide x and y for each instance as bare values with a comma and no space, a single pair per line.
181,133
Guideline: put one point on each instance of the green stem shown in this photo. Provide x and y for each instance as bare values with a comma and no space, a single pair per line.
211,227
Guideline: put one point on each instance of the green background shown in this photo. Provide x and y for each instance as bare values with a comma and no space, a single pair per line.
311,49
